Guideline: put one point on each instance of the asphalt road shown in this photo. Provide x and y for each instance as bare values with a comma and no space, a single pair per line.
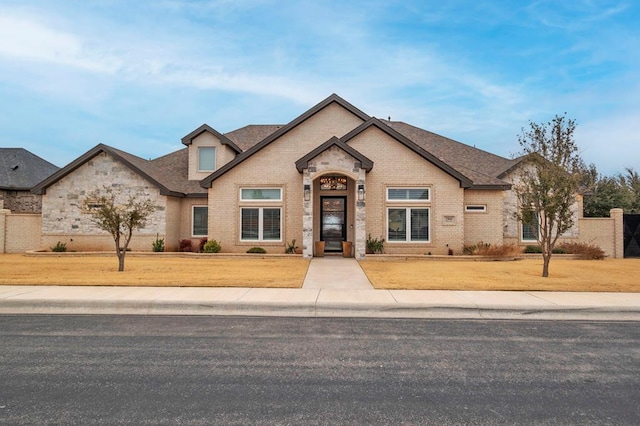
224,370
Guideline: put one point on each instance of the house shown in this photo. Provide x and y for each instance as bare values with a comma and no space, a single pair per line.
21,170
332,174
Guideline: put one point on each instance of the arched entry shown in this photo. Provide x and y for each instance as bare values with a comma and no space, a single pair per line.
334,211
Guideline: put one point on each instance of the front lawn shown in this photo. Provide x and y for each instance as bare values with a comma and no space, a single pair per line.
618,275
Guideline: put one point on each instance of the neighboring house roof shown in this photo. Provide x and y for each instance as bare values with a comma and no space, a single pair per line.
168,173
21,170
206,182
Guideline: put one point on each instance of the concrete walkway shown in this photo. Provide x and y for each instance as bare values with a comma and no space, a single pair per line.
336,272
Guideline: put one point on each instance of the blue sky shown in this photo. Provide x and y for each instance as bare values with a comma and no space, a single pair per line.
139,75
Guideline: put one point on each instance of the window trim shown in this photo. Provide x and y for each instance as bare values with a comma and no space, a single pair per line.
409,200
193,210
260,200
215,155
475,208
260,224
408,239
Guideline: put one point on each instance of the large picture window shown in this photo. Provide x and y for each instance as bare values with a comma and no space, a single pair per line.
206,159
408,224
260,224
200,220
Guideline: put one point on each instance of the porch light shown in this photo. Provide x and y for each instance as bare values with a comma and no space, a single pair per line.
307,192
361,192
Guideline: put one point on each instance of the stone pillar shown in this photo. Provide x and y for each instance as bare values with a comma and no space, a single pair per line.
361,218
307,217
618,232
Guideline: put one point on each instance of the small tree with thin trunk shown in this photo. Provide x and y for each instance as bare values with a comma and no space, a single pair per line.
548,181
118,219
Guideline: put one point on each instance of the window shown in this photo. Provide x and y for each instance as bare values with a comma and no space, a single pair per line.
530,230
206,159
260,224
408,194
408,224
261,194
475,208
200,221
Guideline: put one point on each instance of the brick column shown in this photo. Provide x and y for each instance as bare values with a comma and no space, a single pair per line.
618,232
3,226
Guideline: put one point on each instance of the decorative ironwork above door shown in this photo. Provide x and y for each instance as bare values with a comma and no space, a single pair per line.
333,183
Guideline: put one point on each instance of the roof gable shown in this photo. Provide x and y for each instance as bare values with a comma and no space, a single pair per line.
465,182
282,131
188,139
365,163
154,171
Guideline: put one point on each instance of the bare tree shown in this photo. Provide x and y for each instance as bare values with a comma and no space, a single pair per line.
120,220
548,181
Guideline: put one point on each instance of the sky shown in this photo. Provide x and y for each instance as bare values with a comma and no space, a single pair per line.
139,75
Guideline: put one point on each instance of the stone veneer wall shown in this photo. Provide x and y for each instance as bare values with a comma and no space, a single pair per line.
21,201
62,220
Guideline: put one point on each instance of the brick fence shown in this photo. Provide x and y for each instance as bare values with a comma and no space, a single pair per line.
19,232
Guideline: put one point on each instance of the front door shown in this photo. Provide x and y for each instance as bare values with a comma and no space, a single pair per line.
333,217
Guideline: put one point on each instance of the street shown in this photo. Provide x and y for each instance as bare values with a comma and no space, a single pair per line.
233,370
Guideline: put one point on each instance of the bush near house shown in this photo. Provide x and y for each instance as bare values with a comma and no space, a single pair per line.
212,246
186,245
486,249
584,250
59,247
259,250
203,241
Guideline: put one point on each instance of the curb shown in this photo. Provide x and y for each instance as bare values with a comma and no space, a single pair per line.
316,309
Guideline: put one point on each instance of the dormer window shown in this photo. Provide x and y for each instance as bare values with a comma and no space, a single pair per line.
206,159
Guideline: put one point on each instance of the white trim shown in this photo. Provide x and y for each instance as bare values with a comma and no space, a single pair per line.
408,239
409,200
475,208
260,224
260,200
193,209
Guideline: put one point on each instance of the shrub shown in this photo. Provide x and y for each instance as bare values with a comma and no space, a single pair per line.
257,250
486,249
533,249
291,247
59,247
186,245
375,245
203,241
158,244
212,246
584,250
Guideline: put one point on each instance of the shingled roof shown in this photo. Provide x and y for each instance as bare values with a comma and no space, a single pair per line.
21,170
482,167
168,173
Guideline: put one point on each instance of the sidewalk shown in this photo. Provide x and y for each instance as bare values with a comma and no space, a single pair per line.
325,302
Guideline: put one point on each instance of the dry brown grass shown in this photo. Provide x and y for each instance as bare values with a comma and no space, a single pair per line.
202,271
618,275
